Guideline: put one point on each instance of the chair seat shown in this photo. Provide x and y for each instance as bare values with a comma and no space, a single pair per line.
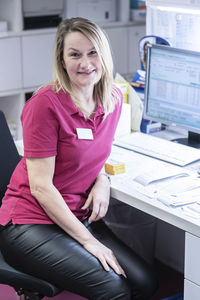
16,279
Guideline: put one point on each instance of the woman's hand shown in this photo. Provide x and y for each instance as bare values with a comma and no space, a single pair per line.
104,255
99,197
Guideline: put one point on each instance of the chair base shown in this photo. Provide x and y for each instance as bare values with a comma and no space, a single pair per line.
26,295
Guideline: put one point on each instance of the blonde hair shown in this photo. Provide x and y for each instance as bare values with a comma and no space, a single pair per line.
103,90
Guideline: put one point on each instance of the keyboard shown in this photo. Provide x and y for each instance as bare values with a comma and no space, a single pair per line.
159,148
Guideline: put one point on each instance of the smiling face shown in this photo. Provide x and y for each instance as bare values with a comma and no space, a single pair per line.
81,60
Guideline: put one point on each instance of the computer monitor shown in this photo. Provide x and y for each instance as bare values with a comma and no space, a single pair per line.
172,89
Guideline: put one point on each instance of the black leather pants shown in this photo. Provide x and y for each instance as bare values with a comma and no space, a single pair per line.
47,252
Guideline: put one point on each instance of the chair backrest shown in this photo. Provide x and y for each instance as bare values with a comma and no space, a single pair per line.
27,285
9,156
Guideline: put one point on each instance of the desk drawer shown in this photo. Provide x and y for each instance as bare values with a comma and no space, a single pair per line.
191,290
192,259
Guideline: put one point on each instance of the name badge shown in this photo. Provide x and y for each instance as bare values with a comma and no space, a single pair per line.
84,133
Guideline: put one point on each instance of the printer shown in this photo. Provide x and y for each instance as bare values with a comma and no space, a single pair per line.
42,13
99,11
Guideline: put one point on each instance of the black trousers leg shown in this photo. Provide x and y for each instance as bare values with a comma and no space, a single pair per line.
47,252
140,275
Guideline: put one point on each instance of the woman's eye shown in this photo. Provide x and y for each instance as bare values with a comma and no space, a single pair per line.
75,54
93,52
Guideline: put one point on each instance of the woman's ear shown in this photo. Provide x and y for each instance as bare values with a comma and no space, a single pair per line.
64,66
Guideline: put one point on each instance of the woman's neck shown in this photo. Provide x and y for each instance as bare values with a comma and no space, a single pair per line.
85,101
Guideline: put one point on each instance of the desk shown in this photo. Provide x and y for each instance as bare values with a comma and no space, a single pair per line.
174,216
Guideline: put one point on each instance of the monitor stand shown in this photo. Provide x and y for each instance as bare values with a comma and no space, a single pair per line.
193,140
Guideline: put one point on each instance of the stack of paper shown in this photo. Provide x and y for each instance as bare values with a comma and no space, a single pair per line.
182,191
192,210
158,174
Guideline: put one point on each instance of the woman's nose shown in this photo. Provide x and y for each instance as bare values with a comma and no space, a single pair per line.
85,62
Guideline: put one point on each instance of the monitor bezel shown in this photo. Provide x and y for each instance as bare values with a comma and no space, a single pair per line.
150,48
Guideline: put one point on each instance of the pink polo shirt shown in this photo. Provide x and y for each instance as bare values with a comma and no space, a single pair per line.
50,121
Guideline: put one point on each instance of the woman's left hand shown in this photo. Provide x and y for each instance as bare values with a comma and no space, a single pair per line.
99,197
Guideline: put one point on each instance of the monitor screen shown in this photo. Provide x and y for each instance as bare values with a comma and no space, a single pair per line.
172,89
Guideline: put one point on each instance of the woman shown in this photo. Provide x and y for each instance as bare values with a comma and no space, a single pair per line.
48,229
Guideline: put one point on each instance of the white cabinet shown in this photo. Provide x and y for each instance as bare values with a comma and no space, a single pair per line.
124,44
10,62
37,54
135,33
191,290
192,268
118,38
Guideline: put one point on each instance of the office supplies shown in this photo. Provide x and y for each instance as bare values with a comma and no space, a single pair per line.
179,199
124,87
148,126
175,153
138,10
188,212
172,90
114,167
138,80
195,207
166,172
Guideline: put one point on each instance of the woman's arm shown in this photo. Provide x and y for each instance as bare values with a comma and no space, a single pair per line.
99,197
40,174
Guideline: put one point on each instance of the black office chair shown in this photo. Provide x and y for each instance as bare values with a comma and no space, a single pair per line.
28,286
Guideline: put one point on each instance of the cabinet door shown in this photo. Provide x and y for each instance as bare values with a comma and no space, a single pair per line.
192,261
118,40
10,62
135,33
191,290
37,59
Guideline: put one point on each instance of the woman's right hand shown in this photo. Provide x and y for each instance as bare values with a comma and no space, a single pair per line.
104,255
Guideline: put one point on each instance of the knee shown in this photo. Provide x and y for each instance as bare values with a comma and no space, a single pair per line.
120,290
115,288
149,285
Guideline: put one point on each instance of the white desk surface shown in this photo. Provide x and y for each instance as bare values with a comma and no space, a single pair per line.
124,191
